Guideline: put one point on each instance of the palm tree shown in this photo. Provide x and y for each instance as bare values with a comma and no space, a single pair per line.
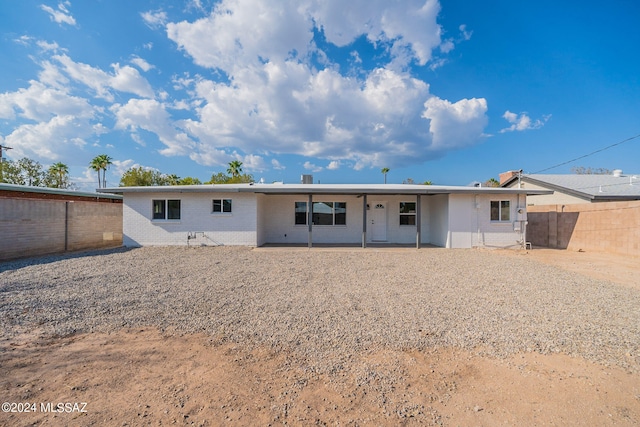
235,168
60,171
101,163
385,171
96,166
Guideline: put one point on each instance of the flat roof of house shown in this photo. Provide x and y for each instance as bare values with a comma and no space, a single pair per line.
587,186
57,192
347,189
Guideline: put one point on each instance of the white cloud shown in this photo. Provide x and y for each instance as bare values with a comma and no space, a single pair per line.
466,35
61,15
251,162
522,121
276,99
124,79
455,125
333,165
46,46
311,167
155,18
39,103
121,166
277,165
141,63
150,115
55,139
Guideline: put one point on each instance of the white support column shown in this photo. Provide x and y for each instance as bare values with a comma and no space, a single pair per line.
364,221
310,219
418,222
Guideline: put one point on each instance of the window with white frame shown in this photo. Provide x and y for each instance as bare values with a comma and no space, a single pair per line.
407,213
221,206
324,213
166,209
500,210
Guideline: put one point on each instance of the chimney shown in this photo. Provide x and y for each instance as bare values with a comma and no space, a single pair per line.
506,176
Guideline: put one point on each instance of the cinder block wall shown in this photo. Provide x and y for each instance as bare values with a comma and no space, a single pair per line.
30,227
605,227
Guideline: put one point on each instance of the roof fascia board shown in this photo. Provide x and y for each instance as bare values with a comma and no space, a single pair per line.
320,190
555,187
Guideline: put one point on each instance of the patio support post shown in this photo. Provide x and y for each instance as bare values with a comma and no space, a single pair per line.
418,222
364,221
310,218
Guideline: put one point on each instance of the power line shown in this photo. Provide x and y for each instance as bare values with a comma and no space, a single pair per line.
590,154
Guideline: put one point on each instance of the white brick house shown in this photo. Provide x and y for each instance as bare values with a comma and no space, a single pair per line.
260,214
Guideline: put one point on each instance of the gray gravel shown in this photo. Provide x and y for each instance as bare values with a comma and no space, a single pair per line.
326,306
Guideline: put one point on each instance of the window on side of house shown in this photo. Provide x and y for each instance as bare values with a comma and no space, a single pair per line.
407,213
221,205
324,213
301,213
500,210
159,209
166,209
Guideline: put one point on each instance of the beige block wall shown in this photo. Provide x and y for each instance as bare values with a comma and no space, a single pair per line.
604,227
30,227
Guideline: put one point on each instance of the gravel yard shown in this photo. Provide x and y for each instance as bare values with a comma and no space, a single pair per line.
327,305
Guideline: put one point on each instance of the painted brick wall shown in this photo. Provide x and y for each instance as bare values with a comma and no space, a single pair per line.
30,227
236,228
604,227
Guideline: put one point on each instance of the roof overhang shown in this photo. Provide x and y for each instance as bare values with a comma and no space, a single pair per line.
335,189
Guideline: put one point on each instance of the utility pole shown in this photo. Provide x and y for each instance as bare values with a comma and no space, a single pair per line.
5,148
2,160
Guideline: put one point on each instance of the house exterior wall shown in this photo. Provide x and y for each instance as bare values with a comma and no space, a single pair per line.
31,227
466,219
447,220
612,227
439,220
557,198
278,220
237,228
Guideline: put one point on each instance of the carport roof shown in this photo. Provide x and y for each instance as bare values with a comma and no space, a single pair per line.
346,189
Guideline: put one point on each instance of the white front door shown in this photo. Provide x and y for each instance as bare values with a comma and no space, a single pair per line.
378,221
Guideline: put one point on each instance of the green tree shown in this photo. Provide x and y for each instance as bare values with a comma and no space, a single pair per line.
10,173
101,163
141,177
189,181
581,170
491,182
385,171
58,176
32,172
221,178
235,168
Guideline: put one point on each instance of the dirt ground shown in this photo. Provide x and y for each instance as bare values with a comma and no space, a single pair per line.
145,377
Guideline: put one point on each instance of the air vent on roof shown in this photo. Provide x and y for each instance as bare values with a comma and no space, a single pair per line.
306,179
617,173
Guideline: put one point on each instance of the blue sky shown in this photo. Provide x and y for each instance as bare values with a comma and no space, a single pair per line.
450,91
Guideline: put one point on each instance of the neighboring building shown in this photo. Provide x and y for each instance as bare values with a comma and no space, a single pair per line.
260,214
575,188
